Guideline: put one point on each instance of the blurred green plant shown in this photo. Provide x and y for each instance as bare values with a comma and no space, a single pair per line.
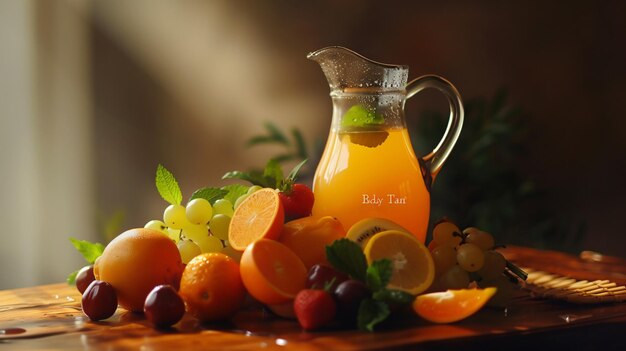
482,183
293,147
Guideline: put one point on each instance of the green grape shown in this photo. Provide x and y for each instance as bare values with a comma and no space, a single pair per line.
504,292
444,257
232,253
156,225
210,243
174,234
223,206
199,211
479,238
493,267
240,200
447,233
219,226
454,278
174,216
253,189
195,232
470,257
188,250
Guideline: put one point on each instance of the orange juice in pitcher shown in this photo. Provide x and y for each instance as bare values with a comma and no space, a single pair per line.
368,168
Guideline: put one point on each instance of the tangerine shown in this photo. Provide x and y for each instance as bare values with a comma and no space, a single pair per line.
211,287
271,272
260,215
135,262
307,237
451,305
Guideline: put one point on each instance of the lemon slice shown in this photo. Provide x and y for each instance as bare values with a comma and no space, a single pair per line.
363,230
413,267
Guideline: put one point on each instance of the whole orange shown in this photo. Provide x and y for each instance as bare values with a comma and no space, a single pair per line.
135,262
308,237
211,287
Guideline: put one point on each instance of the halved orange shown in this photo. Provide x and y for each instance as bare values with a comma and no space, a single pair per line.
413,267
260,215
451,305
271,272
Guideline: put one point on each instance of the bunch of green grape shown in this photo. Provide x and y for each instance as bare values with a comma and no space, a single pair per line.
199,227
463,257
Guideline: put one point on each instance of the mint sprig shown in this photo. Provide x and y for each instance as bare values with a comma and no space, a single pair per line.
347,257
234,191
167,186
378,274
271,176
372,312
210,194
90,252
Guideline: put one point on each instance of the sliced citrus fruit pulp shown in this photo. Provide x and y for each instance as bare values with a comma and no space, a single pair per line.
308,237
413,267
211,287
260,215
271,272
451,305
363,230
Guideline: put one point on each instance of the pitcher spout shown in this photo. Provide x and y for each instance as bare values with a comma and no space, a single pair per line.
348,71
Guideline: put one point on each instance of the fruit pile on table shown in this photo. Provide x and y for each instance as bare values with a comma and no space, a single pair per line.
229,244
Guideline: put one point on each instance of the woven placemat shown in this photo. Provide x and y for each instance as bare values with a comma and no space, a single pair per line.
559,287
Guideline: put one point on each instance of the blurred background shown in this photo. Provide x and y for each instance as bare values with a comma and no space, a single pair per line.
94,94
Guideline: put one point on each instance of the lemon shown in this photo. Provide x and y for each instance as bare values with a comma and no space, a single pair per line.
413,267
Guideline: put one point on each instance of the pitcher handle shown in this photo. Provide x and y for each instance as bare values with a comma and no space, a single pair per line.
436,158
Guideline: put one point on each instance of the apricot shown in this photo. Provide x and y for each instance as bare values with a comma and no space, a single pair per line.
135,262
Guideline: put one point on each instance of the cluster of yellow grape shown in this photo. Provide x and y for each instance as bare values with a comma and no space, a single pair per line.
199,227
463,257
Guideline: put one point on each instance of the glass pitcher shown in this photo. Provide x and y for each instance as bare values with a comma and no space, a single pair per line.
369,168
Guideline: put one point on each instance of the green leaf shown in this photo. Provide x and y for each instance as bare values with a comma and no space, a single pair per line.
113,225
361,116
378,274
210,194
71,278
90,251
346,256
299,142
393,296
276,134
254,177
234,191
273,173
168,186
294,172
372,312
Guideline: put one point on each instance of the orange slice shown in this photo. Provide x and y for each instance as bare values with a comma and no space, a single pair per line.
260,215
451,305
271,272
413,267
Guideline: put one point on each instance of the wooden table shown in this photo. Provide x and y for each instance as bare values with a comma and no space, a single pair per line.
49,318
